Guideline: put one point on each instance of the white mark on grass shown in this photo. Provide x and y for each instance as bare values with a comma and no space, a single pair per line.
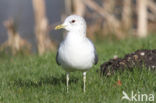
153,66
115,57
142,53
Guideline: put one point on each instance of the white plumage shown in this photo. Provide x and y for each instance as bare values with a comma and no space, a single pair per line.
76,52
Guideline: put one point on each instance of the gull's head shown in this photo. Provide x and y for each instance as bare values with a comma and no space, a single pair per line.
73,23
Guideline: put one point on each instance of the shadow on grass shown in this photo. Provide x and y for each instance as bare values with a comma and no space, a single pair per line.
43,81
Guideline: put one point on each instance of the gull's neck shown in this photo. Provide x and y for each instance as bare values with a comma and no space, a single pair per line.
75,36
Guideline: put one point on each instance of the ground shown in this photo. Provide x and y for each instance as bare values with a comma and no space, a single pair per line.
33,79
142,58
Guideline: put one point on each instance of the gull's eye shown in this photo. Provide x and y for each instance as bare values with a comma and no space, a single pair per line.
73,21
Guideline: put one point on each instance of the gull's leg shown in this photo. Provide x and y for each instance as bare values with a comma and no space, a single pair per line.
84,81
67,80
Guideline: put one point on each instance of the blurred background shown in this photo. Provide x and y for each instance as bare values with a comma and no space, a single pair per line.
28,25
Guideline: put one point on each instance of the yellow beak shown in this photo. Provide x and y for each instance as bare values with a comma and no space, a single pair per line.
59,27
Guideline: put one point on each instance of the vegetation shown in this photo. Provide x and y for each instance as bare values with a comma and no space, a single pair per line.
33,79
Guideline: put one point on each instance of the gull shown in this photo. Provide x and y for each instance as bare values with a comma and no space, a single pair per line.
76,52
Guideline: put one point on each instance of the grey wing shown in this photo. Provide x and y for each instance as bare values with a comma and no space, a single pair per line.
57,60
95,54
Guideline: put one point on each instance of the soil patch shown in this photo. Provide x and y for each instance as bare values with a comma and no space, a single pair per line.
138,58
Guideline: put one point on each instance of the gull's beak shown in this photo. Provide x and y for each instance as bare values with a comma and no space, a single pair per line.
59,27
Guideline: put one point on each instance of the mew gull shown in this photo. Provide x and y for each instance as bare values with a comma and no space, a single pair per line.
76,52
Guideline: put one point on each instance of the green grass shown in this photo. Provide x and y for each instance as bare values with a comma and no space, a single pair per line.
34,79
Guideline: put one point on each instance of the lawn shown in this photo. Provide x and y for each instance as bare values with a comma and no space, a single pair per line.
34,79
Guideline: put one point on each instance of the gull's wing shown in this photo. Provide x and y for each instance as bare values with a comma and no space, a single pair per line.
57,60
96,56
95,53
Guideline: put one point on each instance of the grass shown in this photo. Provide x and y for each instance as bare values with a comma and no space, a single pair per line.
34,79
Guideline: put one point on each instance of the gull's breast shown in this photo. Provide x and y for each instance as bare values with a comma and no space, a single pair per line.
78,56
